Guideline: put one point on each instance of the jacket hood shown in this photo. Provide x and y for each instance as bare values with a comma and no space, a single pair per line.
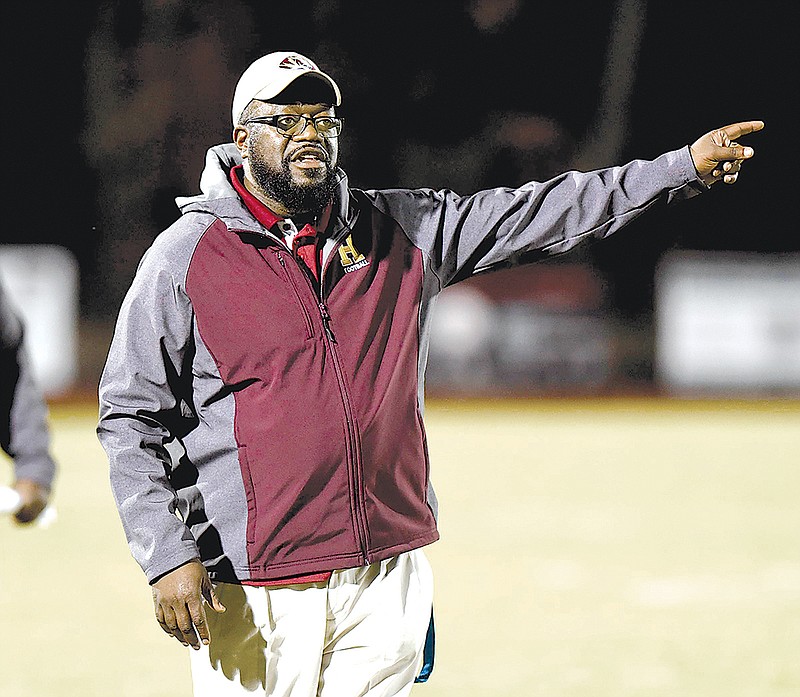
218,197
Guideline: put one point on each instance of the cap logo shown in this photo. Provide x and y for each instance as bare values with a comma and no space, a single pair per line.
296,62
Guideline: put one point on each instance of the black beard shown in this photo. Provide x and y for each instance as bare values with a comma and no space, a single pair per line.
296,198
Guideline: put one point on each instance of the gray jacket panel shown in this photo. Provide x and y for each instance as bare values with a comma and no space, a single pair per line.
140,392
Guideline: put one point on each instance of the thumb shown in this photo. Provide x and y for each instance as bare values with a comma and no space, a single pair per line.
212,599
733,152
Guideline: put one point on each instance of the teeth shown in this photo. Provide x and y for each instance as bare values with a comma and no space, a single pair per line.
309,156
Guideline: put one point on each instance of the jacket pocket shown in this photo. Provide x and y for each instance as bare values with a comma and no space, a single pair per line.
250,493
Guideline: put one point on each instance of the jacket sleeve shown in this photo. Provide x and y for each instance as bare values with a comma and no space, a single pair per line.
141,407
24,433
465,235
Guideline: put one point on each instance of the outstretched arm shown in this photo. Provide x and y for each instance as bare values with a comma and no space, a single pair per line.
464,235
717,155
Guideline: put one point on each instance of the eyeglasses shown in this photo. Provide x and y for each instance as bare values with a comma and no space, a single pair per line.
290,125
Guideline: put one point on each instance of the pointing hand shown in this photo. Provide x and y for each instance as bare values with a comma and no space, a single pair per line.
717,155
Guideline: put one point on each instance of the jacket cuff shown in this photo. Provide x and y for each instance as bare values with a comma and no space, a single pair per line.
38,468
687,182
169,562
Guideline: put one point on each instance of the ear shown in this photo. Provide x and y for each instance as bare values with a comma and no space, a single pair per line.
240,134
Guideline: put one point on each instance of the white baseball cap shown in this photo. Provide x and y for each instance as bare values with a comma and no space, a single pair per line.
271,74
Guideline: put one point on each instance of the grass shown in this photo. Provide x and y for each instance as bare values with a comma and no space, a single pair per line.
593,548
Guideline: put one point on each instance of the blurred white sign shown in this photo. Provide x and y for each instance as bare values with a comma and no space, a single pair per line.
42,282
728,321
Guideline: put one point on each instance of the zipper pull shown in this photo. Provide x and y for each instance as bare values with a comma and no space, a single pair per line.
280,259
326,322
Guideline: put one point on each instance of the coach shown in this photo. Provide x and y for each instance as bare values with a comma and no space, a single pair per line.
261,406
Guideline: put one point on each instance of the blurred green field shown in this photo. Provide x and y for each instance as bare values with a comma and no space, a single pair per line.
597,548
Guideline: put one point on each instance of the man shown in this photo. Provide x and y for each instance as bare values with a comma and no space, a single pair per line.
24,433
262,401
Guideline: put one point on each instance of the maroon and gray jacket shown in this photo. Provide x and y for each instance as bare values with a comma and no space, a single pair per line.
272,428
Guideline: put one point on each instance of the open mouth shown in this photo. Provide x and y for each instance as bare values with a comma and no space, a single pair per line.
309,157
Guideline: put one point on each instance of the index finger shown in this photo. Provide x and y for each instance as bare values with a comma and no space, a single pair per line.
735,130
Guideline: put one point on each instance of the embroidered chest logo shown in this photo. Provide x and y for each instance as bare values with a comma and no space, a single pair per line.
352,259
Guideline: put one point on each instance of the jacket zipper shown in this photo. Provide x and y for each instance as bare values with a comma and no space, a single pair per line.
306,315
354,465
352,445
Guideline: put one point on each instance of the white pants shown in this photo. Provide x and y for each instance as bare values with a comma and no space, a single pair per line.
359,635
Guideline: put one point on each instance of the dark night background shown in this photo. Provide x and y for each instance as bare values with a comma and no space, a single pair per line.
111,107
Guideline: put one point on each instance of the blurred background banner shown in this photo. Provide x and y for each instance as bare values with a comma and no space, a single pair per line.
125,98
524,331
728,322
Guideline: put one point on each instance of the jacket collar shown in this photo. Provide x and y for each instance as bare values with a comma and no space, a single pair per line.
219,198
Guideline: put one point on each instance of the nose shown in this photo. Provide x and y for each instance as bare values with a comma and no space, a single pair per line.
305,133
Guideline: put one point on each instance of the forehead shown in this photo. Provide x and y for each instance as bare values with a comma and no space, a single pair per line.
268,108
